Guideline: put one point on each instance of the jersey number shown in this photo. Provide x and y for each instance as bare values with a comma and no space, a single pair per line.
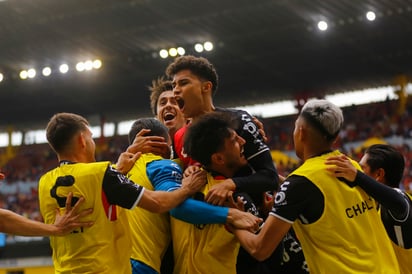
63,181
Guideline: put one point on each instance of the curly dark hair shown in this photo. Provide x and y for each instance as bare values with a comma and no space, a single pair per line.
199,66
207,136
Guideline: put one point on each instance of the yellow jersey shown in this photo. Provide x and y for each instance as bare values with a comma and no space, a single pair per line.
349,237
204,248
102,248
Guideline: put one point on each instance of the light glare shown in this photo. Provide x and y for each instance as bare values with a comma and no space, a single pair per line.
23,74
370,15
97,64
64,68
181,51
208,46
46,71
31,73
163,53
322,25
173,52
199,47
88,65
1,77
80,66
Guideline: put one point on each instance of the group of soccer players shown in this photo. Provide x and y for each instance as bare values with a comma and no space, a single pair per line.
188,175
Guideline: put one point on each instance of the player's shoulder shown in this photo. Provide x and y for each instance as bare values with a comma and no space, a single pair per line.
233,111
164,164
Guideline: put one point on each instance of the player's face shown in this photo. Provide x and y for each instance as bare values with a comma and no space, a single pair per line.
367,169
168,111
188,89
233,151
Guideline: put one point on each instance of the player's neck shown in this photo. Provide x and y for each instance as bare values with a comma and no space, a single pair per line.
208,109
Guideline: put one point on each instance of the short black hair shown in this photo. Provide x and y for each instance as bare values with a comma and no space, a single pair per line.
207,136
155,126
389,159
199,66
62,127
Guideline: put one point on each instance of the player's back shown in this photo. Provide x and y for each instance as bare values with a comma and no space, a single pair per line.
101,248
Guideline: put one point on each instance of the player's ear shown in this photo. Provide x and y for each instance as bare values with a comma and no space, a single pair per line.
207,86
217,159
81,140
380,175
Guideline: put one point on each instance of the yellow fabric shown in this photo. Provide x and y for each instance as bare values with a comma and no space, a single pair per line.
404,257
281,157
369,142
349,237
150,232
203,248
104,247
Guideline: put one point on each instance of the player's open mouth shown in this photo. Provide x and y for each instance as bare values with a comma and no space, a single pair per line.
168,116
241,152
180,102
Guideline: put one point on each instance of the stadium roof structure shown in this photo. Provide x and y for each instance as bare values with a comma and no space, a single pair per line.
264,50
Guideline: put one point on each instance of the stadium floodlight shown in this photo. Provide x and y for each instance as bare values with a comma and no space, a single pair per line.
88,65
370,15
80,66
97,64
199,47
46,71
31,73
173,52
208,46
23,74
181,51
322,25
64,68
163,53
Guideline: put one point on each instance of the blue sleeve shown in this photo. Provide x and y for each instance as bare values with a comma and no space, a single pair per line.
164,174
198,212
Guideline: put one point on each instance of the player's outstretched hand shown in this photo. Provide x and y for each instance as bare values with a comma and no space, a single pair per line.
71,219
126,161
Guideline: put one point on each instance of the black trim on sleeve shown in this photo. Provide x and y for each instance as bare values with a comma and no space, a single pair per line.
264,178
388,197
119,189
299,198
